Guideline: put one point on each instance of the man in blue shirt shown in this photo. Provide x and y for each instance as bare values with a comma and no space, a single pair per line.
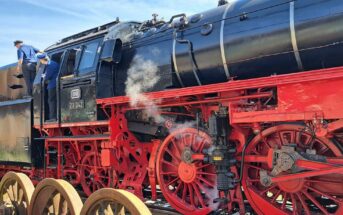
50,75
27,62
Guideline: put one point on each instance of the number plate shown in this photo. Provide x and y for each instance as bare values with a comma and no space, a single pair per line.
75,105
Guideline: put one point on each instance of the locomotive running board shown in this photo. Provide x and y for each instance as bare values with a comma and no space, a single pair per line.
76,138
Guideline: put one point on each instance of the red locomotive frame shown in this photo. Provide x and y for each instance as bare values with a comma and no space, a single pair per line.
306,109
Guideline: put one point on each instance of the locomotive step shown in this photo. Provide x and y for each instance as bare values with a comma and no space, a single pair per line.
53,166
52,152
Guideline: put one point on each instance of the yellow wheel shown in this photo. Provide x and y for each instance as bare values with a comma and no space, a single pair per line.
109,201
56,197
15,192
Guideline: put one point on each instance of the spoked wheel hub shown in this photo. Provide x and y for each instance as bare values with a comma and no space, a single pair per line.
189,186
264,180
292,186
187,172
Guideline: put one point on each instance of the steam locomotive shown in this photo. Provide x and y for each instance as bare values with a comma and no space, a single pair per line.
200,105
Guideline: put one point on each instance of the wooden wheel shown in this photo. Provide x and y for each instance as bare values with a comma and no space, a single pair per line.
15,191
57,197
109,201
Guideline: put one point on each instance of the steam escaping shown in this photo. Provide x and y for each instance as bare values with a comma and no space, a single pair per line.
143,76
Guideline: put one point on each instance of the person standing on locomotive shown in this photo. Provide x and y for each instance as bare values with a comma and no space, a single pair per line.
27,62
50,75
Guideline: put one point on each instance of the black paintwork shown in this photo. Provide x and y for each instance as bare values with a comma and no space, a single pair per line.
256,40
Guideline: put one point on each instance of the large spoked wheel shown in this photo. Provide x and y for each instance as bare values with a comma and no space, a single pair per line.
93,176
189,186
109,201
16,191
53,196
313,195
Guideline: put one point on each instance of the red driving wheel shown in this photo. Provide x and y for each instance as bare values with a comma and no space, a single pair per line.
93,176
313,195
189,186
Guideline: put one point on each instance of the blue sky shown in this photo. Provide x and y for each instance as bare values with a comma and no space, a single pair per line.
43,22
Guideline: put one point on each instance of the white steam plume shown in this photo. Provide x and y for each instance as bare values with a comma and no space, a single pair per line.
142,76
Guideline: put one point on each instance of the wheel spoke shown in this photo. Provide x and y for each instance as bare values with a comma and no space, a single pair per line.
314,201
268,189
169,164
173,181
175,159
191,195
204,166
284,201
293,137
192,139
184,192
176,147
323,181
169,173
178,188
204,189
323,194
10,193
15,191
198,194
323,150
294,204
64,207
120,209
207,173
184,141
108,210
303,203
56,203
280,138
20,195
266,142
209,183
201,146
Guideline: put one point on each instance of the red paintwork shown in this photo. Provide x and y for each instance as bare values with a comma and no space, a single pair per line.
106,153
182,182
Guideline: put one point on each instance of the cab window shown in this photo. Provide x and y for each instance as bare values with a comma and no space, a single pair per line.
70,64
88,60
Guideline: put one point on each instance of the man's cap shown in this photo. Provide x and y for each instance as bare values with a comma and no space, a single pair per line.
16,42
41,56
